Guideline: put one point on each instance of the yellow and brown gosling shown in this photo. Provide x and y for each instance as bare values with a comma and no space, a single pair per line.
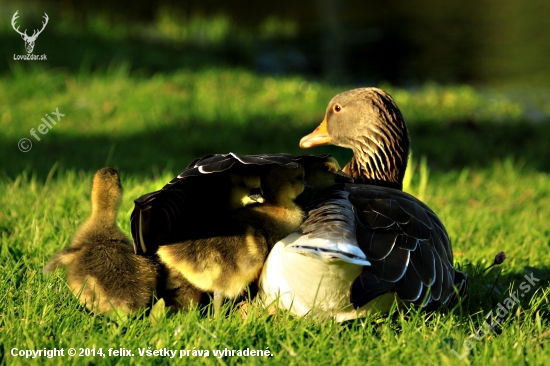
102,269
321,174
230,256
177,291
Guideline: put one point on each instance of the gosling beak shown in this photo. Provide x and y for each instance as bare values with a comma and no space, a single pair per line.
342,177
257,195
318,137
256,198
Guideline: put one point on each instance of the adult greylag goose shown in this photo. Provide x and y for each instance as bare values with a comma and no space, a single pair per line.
102,269
405,243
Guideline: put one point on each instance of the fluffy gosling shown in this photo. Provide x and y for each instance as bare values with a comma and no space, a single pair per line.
231,255
102,269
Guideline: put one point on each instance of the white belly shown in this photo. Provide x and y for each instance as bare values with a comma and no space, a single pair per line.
311,283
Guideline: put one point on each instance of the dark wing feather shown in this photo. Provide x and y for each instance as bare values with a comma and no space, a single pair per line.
285,160
393,267
423,261
217,163
437,287
406,244
153,218
409,288
188,201
381,244
441,237
374,220
446,288
200,161
206,165
367,287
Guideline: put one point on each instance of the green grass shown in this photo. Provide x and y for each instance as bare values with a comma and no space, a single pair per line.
135,121
504,208
488,181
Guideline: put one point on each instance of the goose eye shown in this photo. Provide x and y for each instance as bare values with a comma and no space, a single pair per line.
337,108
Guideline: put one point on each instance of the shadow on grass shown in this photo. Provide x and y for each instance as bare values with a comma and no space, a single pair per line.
491,296
172,147
489,289
459,144
446,147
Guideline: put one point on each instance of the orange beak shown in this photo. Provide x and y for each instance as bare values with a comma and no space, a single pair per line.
318,137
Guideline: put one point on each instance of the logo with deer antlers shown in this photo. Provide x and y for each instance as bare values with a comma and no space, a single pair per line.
29,40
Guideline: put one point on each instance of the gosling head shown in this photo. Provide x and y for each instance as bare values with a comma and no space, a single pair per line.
246,189
106,193
282,185
321,174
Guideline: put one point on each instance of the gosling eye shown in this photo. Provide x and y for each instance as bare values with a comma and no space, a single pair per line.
326,167
337,108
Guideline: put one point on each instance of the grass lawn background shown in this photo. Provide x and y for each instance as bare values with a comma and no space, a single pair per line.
481,159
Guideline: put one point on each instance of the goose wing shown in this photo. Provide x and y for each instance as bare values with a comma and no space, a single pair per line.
154,216
406,244
217,163
194,195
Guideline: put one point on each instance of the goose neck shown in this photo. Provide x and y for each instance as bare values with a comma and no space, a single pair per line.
371,167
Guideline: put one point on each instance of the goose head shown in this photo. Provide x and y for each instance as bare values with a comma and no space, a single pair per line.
367,121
